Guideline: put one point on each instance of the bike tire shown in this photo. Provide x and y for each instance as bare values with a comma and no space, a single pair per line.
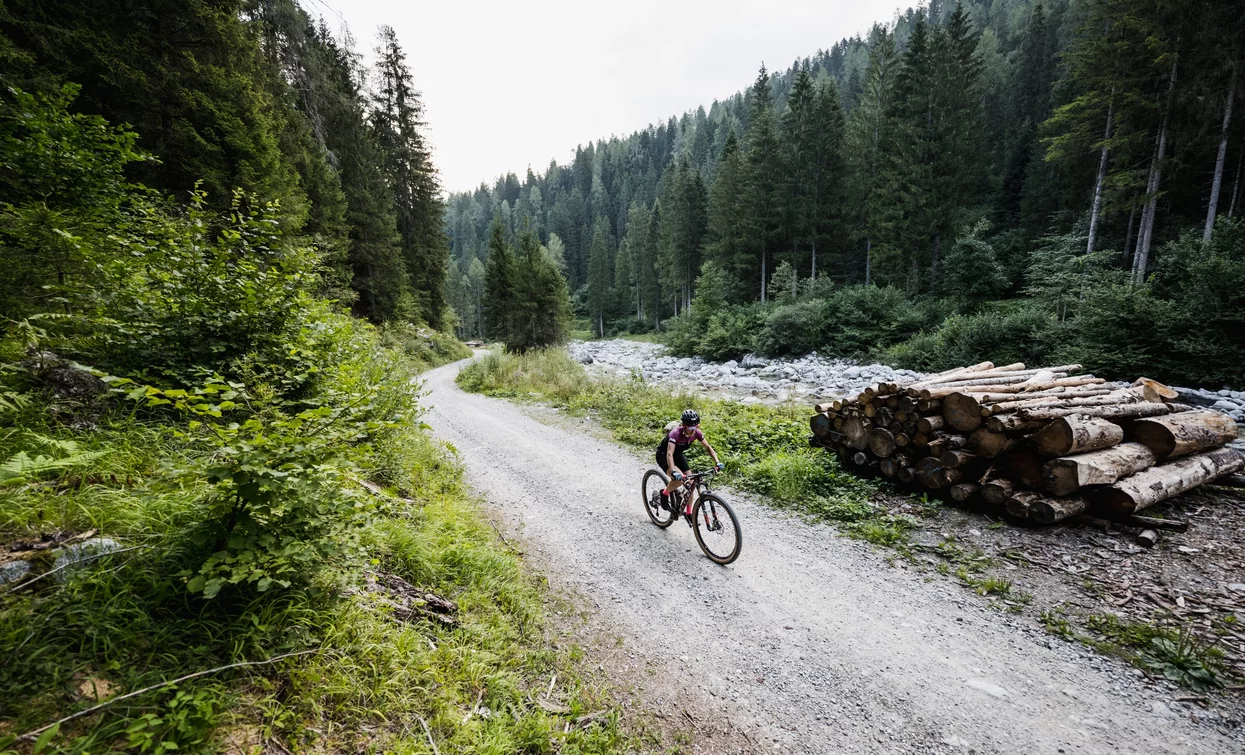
721,512
659,516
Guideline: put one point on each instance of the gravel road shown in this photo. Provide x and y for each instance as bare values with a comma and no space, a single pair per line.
809,643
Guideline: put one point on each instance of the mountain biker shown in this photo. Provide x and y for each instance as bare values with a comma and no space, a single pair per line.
670,455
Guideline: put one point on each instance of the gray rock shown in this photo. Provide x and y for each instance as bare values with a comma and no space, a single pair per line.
74,555
1225,392
1225,405
730,364
13,571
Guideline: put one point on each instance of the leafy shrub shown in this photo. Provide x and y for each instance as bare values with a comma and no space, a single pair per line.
1004,335
793,329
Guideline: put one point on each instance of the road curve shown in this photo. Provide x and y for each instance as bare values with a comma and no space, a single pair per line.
810,643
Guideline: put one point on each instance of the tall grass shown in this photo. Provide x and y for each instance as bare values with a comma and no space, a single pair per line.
372,682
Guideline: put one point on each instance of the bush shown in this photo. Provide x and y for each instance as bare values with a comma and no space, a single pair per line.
1017,334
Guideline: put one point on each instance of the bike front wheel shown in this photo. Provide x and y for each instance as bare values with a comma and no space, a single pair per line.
717,529
650,491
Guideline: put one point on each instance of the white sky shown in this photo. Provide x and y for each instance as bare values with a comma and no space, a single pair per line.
512,84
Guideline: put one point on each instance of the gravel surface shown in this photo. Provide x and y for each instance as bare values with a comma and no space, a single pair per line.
809,643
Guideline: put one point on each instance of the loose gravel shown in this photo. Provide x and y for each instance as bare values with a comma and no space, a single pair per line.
810,643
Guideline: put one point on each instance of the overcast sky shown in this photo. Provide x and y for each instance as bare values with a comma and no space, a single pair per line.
512,84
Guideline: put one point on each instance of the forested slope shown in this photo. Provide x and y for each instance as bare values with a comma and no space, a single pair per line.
223,526
1007,178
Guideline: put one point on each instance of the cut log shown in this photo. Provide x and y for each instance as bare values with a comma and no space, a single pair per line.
1010,402
950,477
1185,433
1103,467
996,492
946,375
1076,434
954,459
1155,484
961,411
1020,503
988,444
820,425
1026,421
881,442
856,430
860,458
1024,466
929,405
964,491
888,467
906,474
902,439
1051,510
1154,390
1147,538
920,440
882,417
930,424
929,472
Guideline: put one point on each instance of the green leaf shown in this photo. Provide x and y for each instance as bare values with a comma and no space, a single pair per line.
45,738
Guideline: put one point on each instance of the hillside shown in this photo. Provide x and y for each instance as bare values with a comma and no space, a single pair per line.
1007,179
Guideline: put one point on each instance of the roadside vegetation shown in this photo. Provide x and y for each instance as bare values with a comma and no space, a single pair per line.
223,526
765,447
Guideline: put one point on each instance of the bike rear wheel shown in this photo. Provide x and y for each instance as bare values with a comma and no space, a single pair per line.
717,530
651,486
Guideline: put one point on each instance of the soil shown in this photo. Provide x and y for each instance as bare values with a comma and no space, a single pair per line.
810,642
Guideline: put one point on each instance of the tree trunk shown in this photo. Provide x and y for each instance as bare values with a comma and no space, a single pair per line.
1147,488
1021,503
1024,466
1184,433
869,259
1128,238
881,442
856,431
962,412
954,459
1076,435
1142,258
1236,185
930,424
820,425
1103,467
1051,510
964,491
1217,182
813,273
996,492
988,444
1096,208
764,274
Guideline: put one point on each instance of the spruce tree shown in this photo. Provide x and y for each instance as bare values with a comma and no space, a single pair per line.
599,275
541,304
763,188
499,286
726,241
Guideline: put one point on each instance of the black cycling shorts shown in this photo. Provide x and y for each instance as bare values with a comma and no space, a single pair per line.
680,460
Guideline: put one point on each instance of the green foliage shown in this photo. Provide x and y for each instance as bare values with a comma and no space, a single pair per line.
1002,335
1177,655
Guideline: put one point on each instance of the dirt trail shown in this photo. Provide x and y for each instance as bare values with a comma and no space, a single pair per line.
810,643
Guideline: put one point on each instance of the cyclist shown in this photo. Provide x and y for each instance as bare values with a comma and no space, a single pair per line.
670,455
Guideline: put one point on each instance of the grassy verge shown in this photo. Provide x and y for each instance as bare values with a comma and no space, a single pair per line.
765,447
369,678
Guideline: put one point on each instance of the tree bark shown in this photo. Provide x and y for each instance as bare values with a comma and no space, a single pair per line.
1156,484
1142,258
963,491
1075,435
1182,434
930,424
1217,182
1128,238
1236,185
1096,207
1103,467
954,459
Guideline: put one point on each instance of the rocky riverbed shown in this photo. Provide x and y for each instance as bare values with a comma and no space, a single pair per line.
808,379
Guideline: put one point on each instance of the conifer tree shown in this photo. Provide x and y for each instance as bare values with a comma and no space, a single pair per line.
541,305
499,286
413,179
599,275
763,211
868,130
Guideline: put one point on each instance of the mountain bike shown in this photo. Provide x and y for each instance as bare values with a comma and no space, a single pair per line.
712,519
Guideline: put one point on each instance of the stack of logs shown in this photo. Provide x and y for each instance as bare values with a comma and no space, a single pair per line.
1040,444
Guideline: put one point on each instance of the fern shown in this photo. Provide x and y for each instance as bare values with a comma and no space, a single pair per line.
22,467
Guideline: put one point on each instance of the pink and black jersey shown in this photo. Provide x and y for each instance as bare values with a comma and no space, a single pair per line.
683,436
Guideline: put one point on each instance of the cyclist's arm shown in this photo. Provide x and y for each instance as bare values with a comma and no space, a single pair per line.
670,457
709,448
